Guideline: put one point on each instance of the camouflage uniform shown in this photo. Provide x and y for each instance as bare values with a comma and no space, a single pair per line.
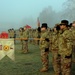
25,42
12,33
21,36
54,50
31,33
44,47
73,47
50,38
65,51
9,33
35,33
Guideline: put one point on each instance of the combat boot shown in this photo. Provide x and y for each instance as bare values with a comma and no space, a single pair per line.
57,74
26,51
44,69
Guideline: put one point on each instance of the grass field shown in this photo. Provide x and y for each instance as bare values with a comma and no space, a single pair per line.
26,64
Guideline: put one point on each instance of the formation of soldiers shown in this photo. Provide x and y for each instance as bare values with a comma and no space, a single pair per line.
60,41
11,33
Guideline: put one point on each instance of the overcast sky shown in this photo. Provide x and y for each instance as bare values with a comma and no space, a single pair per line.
13,12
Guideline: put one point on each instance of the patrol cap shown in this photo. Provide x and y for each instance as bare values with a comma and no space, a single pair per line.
44,25
64,22
21,28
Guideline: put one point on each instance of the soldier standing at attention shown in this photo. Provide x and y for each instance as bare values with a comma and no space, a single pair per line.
12,33
36,36
25,41
21,35
54,49
44,46
73,33
9,33
65,48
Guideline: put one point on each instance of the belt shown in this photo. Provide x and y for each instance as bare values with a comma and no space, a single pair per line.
66,56
59,55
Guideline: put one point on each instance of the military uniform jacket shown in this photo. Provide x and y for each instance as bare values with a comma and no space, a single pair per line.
25,34
54,40
73,34
65,43
43,42
20,34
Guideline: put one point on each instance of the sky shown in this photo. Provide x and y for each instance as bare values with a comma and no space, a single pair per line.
16,13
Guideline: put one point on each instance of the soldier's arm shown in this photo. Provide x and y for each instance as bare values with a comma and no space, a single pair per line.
47,37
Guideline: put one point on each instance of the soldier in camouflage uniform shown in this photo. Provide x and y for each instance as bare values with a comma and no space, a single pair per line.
9,33
31,35
54,49
35,35
21,36
12,33
65,48
44,46
25,41
73,33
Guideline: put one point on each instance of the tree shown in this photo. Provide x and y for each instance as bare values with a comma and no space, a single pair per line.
48,15
69,11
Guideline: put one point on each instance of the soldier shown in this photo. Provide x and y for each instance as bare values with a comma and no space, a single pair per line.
73,33
35,35
9,33
54,49
21,35
30,35
65,48
25,41
44,46
12,33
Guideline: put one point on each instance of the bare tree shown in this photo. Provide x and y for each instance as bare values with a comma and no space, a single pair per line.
49,16
69,10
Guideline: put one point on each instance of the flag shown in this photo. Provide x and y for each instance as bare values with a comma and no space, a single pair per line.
38,21
4,35
28,27
7,48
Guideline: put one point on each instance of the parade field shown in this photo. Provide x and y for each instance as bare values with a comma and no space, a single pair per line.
26,64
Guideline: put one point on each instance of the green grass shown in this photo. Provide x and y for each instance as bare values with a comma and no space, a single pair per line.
26,64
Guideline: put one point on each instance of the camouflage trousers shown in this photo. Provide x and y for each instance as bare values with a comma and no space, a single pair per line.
36,42
55,62
45,58
73,53
21,44
65,64
25,46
